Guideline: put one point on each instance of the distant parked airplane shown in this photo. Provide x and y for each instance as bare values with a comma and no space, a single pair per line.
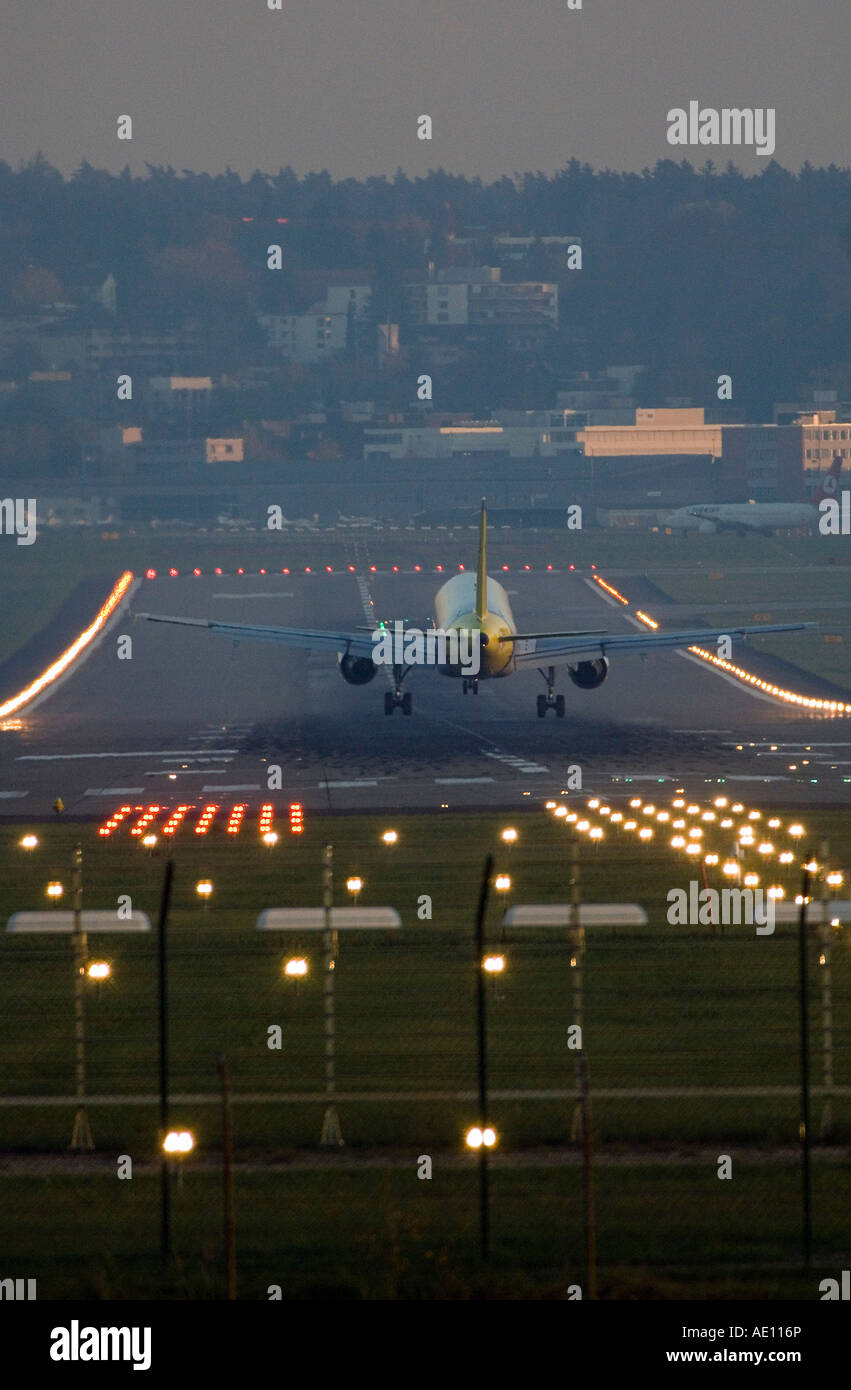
765,517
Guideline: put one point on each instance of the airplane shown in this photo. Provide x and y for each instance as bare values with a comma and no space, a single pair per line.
765,517
475,607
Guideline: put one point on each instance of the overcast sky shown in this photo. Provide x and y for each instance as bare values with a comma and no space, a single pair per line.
338,84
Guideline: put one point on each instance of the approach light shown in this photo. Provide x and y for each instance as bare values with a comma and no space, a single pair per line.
99,970
29,842
178,1142
390,837
270,838
476,1137
835,879
646,833
55,890
494,965
204,888
796,831
502,883
509,835
731,868
295,967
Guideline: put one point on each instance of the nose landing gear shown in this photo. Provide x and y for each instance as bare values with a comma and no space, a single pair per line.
550,700
470,683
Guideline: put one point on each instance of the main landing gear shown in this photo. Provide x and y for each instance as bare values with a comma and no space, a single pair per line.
470,683
394,698
550,700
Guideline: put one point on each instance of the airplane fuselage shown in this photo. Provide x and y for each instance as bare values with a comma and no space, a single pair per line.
455,607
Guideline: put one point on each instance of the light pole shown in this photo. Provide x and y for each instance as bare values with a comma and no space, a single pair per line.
332,1135
81,1135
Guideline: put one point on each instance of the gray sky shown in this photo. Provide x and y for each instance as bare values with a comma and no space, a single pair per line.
338,84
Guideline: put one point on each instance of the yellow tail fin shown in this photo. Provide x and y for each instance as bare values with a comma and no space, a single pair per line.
482,569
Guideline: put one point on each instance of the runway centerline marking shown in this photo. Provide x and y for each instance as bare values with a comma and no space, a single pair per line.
145,753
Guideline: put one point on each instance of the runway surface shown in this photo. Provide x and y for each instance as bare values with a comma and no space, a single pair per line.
194,718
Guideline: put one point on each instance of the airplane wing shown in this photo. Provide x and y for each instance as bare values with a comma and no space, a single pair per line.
554,650
352,643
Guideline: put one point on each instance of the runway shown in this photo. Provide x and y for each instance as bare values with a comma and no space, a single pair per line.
193,718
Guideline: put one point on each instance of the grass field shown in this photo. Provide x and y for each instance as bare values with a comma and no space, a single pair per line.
336,1234
665,1008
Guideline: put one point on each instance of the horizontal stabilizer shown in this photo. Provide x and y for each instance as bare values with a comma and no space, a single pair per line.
533,636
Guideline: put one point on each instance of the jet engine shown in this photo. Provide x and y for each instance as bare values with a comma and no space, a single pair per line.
589,675
357,670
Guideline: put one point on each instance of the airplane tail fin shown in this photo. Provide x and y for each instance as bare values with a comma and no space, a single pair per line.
830,482
482,567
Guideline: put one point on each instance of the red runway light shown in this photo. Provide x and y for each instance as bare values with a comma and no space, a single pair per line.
173,574
351,569
285,571
150,574
372,569
573,567
262,571
307,569
218,571
439,569
328,569
196,572
527,567
416,569
460,567
240,571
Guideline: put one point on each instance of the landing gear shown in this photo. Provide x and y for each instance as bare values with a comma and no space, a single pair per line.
470,683
550,700
394,698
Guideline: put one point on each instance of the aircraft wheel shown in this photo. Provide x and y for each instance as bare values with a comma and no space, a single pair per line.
407,702
389,702
559,707
542,706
